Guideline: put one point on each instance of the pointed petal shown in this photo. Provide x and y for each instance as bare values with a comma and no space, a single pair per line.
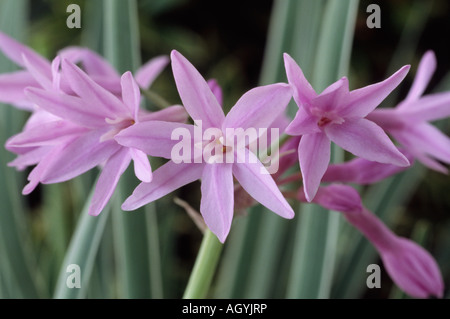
14,50
154,137
45,164
425,71
56,74
332,97
426,138
89,90
166,179
428,108
93,63
217,201
365,139
362,171
430,162
79,156
39,117
31,157
46,134
362,101
216,89
387,118
70,108
174,113
314,156
131,95
42,76
107,182
303,123
341,198
142,168
197,98
95,66
150,70
259,107
303,92
259,184
12,87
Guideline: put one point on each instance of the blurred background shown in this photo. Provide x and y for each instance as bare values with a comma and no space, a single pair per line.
225,40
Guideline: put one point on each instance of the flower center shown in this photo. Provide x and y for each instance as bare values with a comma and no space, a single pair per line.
217,151
323,121
116,126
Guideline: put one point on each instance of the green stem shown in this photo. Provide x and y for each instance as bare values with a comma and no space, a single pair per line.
156,99
204,267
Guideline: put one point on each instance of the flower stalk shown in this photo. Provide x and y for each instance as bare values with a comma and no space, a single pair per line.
204,268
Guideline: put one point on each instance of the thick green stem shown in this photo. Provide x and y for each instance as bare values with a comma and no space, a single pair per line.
204,267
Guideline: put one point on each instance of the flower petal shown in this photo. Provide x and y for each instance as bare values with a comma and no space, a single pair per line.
142,168
387,118
365,139
174,113
199,101
341,198
46,134
303,123
362,101
89,90
428,108
429,162
93,63
12,87
217,201
426,138
410,266
426,68
362,171
155,137
166,179
31,157
79,156
150,70
259,107
303,92
131,95
41,168
40,75
259,184
331,98
314,155
70,108
107,182
14,50
413,269
216,89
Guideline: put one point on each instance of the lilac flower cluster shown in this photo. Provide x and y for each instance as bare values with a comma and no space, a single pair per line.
90,116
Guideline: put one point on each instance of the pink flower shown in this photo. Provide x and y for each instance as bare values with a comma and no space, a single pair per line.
361,171
338,115
40,73
79,133
408,122
255,109
410,266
